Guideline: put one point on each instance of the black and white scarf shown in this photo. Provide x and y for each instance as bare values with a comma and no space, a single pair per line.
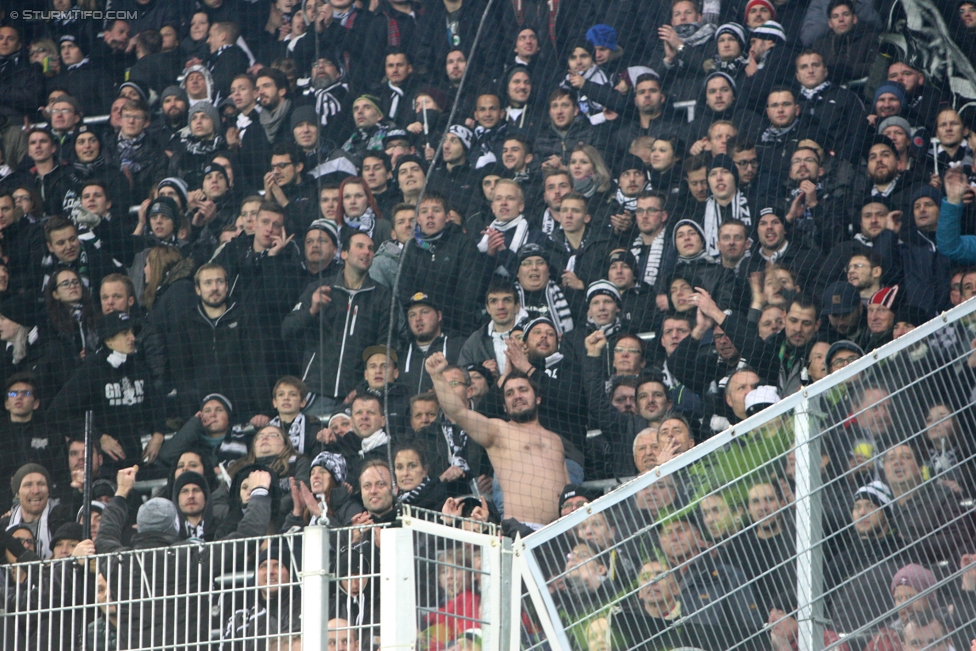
365,222
203,147
777,134
410,496
713,219
548,222
628,203
296,431
651,263
456,440
814,93
396,94
695,34
556,308
521,226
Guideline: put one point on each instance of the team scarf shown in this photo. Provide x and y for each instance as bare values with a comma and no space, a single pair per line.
557,307
365,222
521,226
713,219
410,496
296,431
655,253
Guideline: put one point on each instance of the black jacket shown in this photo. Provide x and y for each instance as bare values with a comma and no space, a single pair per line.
89,85
119,391
334,340
451,272
21,84
413,375
223,355
224,65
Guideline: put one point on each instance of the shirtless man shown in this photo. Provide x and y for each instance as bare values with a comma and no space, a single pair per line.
528,459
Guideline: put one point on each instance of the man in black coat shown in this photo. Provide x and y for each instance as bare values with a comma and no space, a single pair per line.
226,60
81,79
442,262
21,83
115,384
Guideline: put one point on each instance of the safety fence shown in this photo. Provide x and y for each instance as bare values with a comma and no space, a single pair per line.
841,516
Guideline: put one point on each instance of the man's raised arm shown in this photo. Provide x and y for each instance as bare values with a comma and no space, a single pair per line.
477,426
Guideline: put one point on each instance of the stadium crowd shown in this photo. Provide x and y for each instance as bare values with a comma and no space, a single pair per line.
315,242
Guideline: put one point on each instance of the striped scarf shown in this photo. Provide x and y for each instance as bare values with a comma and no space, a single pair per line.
556,307
649,257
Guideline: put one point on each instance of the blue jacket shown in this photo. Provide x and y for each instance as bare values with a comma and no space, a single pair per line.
959,248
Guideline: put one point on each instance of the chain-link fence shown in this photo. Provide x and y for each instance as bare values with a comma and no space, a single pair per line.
840,517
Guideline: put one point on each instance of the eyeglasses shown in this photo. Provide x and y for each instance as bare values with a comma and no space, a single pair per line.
857,265
841,362
25,393
808,161
268,437
751,162
61,111
455,383
632,351
74,282
280,166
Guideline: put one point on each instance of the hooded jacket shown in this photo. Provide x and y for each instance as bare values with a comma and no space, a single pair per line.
334,340
118,389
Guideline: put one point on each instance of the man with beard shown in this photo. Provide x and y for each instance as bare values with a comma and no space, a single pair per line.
287,186
783,132
246,136
191,494
779,359
650,248
817,217
205,348
426,337
883,177
773,246
530,481
637,309
174,104
650,101
272,90
330,92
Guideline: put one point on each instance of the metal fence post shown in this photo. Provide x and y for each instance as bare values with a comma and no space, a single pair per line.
809,530
315,588
398,590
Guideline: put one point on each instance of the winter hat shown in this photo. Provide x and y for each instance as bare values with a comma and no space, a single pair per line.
81,43
724,161
622,255
328,226
372,99
440,97
603,288
527,326
896,121
602,36
876,492
582,44
482,370
304,113
276,552
396,134
20,308
769,30
205,107
167,207
68,531
177,184
216,167
463,134
764,3
892,87
530,251
838,346
25,470
759,398
886,296
159,515
409,158
727,77
629,162
737,30
916,576
113,323
139,88
927,191
219,397
334,463
175,90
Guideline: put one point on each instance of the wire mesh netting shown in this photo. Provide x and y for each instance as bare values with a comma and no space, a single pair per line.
292,263
707,555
